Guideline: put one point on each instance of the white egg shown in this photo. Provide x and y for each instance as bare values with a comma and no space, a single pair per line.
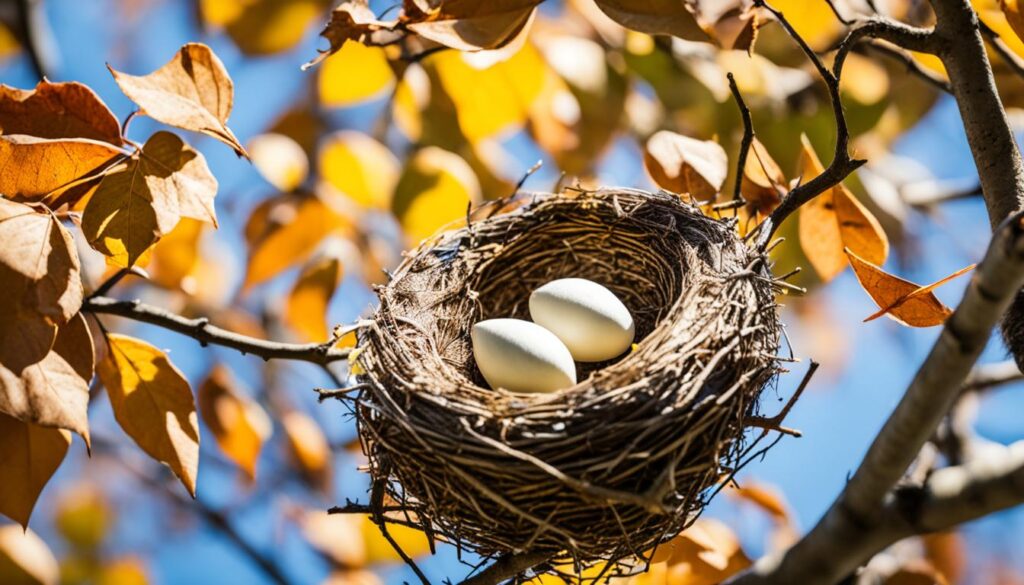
589,319
521,356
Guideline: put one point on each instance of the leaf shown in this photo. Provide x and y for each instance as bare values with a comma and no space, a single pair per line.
435,189
123,571
357,73
686,165
239,425
84,517
57,110
53,392
835,220
25,559
281,161
192,91
360,168
706,553
470,25
306,311
309,447
352,20
670,17
766,498
763,182
1014,16
176,257
292,229
39,267
153,403
353,540
138,204
29,455
264,27
916,572
32,168
904,301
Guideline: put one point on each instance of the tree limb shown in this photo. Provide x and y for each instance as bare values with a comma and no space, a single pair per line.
201,330
507,567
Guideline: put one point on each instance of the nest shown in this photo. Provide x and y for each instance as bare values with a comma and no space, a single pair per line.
603,470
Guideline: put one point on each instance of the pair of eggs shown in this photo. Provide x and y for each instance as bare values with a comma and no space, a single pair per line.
574,319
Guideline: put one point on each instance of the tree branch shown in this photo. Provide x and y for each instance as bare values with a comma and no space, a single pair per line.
507,567
854,527
988,376
201,330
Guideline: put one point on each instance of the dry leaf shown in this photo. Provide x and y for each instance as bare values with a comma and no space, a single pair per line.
306,311
670,17
25,559
53,392
918,292
192,91
335,535
32,168
763,182
359,167
352,20
309,447
835,220
686,165
29,455
57,110
281,161
138,204
239,425
153,403
471,25
899,298
706,553
39,267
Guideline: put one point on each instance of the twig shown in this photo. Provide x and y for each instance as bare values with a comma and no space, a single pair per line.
912,65
748,137
988,376
202,331
111,282
1012,60
507,567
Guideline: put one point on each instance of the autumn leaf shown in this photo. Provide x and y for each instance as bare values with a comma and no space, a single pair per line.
355,74
763,182
706,553
239,425
263,27
835,220
153,403
470,25
25,559
176,257
306,311
1014,16
281,160
670,17
29,455
904,301
53,392
353,540
686,165
57,110
309,448
138,204
192,91
32,168
360,168
352,20
39,267
83,516
764,497
435,189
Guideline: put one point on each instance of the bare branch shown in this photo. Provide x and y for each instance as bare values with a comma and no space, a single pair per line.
202,331
507,567
748,136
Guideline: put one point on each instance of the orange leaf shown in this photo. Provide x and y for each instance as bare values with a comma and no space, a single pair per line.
306,312
1012,10
310,448
920,291
706,553
29,454
239,424
887,290
32,168
686,165
763,182
765,497
57,110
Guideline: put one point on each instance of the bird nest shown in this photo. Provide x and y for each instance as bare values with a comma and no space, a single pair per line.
604,470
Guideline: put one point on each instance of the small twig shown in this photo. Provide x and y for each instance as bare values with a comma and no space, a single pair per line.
748,137
908,61
111,282
127,121
987,376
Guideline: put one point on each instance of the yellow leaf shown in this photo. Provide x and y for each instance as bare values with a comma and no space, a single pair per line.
814,21
309,447
468,25
83,517
355,74
900,299
124,571
763,182
379,550
359,167
281,160
191,91
29,454
411,97
176,256
669,17
1011,20
138,204
8,44
306,312
835,220
336,535
435,189
25,559
686,165
490,98
153,403
239,425
57,110
864,80
264,27
32,168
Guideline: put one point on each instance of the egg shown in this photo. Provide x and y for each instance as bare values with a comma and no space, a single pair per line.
589,319
521,356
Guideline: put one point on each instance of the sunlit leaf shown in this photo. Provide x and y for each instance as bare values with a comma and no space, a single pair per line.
281,160
670,17
686,165
469,25
239,425
123,571
32,168
29,455
353,21
360,168
8,44
706,553
864,80
435,189
355,74
84,517
153,403
763,182
309,447
904,301
411,97
379,550
814,21
176,256
306,311
263,27
25,559
57,110
192,91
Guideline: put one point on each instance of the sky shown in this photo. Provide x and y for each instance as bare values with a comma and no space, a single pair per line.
845,406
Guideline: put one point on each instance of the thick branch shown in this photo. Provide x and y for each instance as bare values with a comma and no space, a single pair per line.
854,527
507,567
201,330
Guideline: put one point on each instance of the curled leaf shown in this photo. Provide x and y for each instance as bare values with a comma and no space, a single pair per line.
57,110
470,25
904,301
686,165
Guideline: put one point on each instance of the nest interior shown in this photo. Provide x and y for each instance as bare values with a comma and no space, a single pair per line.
604,470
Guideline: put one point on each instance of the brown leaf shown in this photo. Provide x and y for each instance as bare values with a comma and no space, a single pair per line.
706,553
898,296
192,91
918,292
670,17
32,168
471,25
25,559
686,165
306,312
176,257
835,220
29,454
309,448
765,497
138,204
239,425
57,110
39,267
352,20
53,392
763,182
153,403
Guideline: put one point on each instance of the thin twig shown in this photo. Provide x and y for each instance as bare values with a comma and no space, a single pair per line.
748,137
